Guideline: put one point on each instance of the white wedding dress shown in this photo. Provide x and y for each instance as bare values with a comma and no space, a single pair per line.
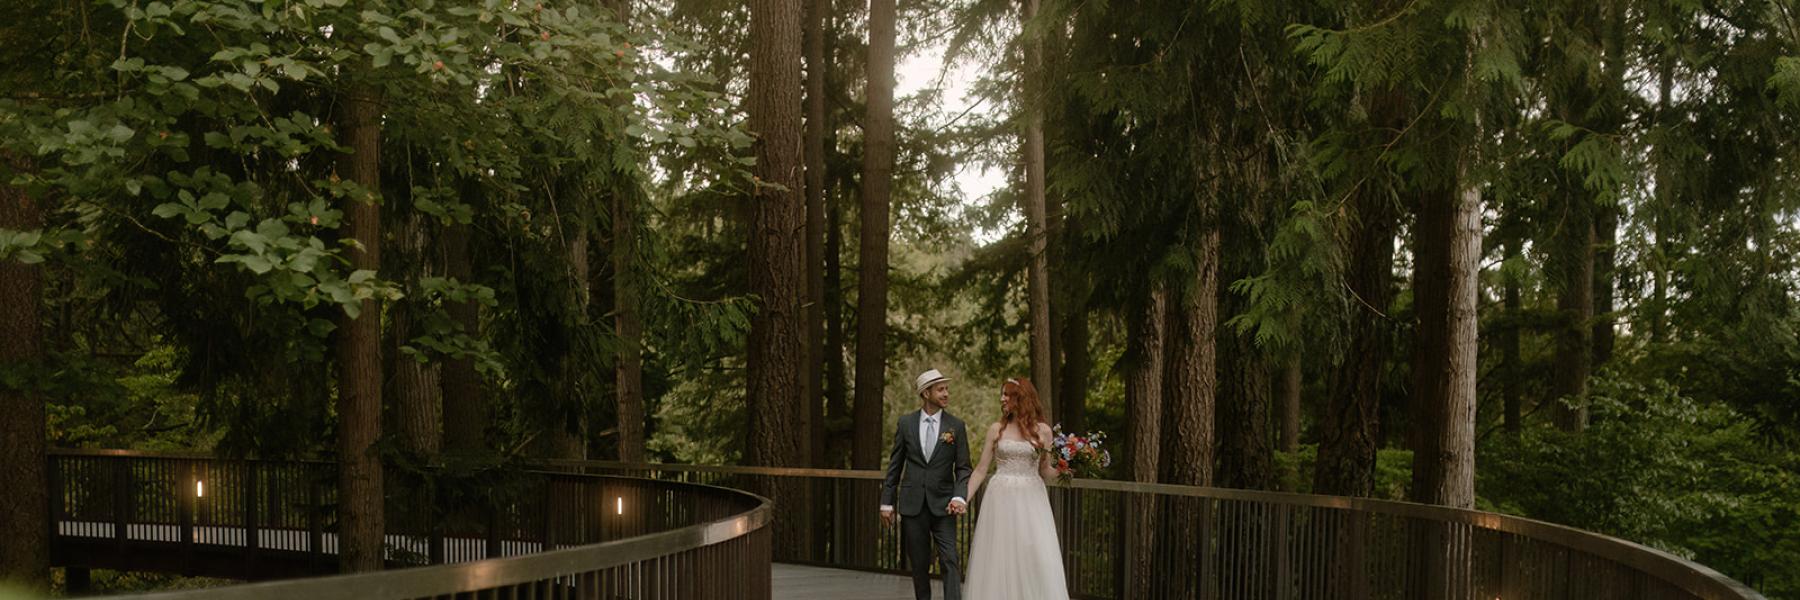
1015,555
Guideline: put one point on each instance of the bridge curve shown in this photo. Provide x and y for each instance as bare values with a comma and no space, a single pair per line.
535,534
1119,539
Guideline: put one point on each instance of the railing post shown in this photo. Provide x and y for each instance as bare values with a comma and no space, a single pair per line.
493,531
252,543
1279,545
1124,552
121,498
185,504
315,528
53,483
439,517
548,514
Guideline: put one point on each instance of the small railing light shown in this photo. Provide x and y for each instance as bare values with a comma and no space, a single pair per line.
620,503
199,489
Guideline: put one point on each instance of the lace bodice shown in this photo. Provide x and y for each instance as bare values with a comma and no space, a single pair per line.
1016,457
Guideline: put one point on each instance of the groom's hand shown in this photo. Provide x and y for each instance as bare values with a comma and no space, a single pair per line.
957,507
887,516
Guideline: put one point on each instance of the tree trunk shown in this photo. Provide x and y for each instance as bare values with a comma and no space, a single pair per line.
1143,366
777,435
1190,381
1510,369
1246,460
418,394
567,437
1246,457
1291,382
1606,217
465,418
1606,227
1144,355
1446,289
815,224
1036,221
877,181
629,368
836,394
24,507
360,518
1077,369
1575,309
1348,426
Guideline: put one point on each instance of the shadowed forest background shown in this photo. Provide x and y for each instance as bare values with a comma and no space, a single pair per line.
1539,258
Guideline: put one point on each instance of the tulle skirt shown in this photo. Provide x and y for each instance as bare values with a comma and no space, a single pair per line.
1015,555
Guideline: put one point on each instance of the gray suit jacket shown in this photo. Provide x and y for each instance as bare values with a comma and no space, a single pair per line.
927,485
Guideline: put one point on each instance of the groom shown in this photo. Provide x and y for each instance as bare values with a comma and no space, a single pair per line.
930,466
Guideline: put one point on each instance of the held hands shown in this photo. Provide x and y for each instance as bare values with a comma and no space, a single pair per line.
956,507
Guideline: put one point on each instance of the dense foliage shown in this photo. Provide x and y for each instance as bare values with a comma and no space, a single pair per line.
1271,166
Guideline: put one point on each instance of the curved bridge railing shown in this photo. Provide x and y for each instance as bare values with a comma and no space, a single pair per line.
526,535
1129,540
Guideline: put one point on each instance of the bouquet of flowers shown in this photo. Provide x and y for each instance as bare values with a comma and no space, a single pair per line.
1078,455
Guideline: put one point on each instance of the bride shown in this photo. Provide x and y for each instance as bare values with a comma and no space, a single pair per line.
1015,554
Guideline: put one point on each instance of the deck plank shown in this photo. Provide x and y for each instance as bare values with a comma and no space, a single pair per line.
806,583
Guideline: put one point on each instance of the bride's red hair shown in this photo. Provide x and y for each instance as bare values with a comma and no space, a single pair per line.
1027,411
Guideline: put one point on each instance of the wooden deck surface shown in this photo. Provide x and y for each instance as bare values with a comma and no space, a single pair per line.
794,582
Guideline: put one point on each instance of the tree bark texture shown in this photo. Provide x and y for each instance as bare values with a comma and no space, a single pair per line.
361,520
1348,424
1190,381
629,368
1291,382
1246,458
778,432
418,392
24,507
1246,455
567,436
872,289
1575,311
1446,286
816,12
1144,354
465,416
836,393
1036,221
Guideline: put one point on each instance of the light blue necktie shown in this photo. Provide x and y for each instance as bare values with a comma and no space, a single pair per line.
930,436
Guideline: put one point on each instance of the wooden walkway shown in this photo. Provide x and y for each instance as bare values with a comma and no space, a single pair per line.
807,583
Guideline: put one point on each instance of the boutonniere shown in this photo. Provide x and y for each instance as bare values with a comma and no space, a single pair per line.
948,437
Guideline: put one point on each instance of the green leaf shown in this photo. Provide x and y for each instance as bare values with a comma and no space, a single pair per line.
320,327
215,201
168,209
119,133
240,81
256,264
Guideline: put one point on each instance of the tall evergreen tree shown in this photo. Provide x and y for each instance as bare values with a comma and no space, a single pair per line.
1036,221
816,65
777,418
360,512
872,283
24,511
